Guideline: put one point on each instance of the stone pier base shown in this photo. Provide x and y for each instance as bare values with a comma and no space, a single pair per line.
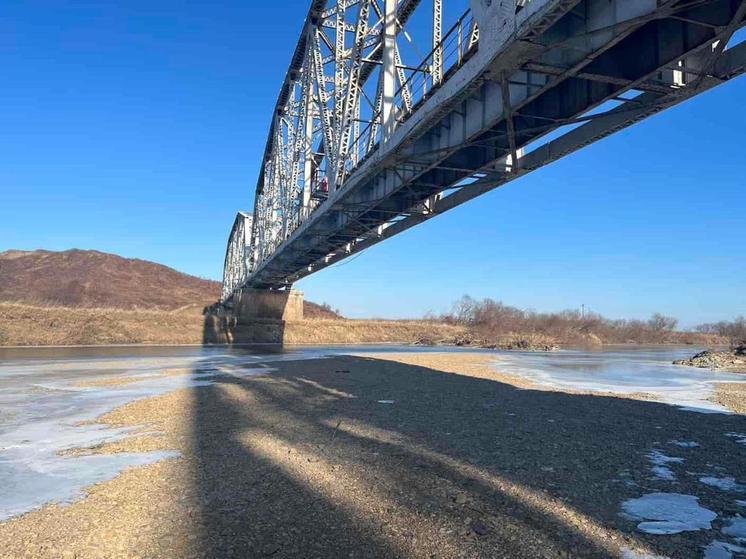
253,316
251,304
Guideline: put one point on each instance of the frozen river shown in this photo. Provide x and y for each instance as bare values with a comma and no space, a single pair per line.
47,399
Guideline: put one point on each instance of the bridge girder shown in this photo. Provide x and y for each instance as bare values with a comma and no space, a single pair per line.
399,141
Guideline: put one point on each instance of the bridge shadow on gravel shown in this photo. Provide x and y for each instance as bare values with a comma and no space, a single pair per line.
364,457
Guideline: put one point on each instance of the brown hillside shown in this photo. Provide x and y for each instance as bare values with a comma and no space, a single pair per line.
89,278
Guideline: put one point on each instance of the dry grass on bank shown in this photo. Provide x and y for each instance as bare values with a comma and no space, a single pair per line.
27,325
368,331
35,325
30,325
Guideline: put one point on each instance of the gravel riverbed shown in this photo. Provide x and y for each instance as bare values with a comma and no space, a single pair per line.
397,455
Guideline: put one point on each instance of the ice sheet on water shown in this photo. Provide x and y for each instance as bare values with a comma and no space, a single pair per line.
47,412
736,529
668,513
622,372
722,550
723,483
61,480
43,401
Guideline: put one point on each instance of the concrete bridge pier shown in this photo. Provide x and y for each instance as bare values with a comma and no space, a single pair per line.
253,316
264,304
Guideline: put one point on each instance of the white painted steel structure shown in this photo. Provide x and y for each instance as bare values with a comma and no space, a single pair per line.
393,111
236,266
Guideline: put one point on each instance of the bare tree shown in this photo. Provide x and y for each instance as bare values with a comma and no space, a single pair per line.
662,323
734,331
463,310
493,319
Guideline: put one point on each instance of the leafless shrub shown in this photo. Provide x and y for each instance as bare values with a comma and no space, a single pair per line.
492,319
662,323
734,331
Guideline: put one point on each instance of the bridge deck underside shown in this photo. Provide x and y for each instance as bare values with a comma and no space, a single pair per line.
487,130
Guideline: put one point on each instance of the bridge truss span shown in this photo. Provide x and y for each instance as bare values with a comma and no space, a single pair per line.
236,266
394,111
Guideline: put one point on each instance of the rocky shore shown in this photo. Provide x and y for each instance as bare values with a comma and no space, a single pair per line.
515,343
733,360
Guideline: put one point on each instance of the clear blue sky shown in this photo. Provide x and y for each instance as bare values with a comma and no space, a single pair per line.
137,128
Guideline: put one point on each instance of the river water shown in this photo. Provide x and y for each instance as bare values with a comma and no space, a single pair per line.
48,401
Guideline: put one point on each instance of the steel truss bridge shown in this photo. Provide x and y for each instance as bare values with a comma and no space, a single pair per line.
394,111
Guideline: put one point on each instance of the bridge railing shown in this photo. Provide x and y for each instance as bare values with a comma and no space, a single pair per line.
456,47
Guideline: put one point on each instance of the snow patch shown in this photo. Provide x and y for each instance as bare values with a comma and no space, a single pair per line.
723,483
660,463
664,473
685,444
668,513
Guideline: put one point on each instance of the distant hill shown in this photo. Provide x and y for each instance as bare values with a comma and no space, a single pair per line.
89,278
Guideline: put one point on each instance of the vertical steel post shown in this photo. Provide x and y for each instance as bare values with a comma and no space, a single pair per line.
437,69
308,160
388,71
339,84
308,99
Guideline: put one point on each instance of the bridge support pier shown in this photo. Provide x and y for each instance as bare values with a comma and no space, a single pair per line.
264,304
253,316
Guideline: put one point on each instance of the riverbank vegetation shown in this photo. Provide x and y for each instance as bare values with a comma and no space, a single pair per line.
493,323
80,297
734,331
485,323
30,325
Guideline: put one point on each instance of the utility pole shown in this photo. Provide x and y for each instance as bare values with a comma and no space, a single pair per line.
582,311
